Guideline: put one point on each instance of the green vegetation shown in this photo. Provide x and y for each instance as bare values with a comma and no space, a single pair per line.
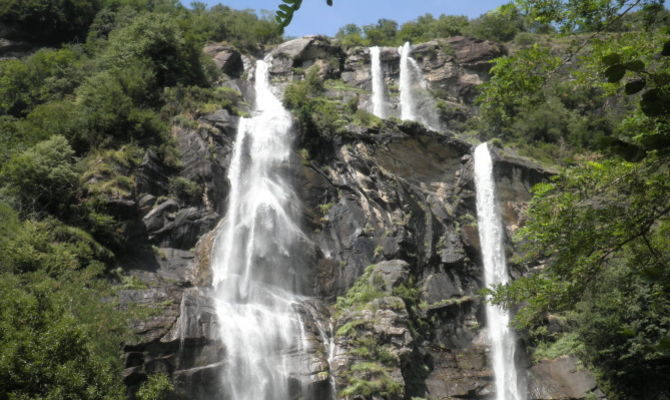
361,293
318,113
59,20
376,380
315,113
54,326
600,227
41,178
372,374
158,387
376,356
502,24
76,121
185,189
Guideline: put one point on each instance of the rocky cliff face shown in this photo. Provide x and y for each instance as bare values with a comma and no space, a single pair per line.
452,68
390,211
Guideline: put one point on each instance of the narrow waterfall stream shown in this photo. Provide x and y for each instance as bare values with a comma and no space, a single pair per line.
509,384
378,89
407,101
416,103
256,257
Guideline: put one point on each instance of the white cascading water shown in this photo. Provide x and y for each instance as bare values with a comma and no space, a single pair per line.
509,383
378,102
416,104
407,102
255,262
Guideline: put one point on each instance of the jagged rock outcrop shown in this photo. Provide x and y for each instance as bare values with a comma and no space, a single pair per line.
179,336
455,66
407,193
452,67
226,58
305,52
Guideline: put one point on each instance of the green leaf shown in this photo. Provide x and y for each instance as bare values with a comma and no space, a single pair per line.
612,59
285,8
635,65
666,49
635,86
655,103
664,345
615,73
662,79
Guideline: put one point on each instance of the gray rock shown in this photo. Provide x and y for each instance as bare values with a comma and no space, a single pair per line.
226,58
303,53
199,383
205,155
392,274
440,286
156,219
152,175
462,374
560,378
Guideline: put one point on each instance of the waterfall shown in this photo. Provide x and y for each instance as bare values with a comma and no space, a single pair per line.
378,102
407,103
416,103
256,258
509,384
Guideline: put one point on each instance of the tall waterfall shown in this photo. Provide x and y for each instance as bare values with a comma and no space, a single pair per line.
407,101
509,384
416,103
378,102
256,257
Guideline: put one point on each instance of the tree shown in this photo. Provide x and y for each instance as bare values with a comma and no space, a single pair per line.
58,20
47,352
501,24
516,85
158,387
157,41
41,178
598,230
45,76
60,339
351,35
383,33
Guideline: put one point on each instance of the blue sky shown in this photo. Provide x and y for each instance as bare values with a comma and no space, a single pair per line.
316,17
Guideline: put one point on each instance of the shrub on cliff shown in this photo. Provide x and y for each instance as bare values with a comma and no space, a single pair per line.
42,178
45,76
48,351
60,338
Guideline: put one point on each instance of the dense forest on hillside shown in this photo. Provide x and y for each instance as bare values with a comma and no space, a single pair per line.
585,90
73,117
